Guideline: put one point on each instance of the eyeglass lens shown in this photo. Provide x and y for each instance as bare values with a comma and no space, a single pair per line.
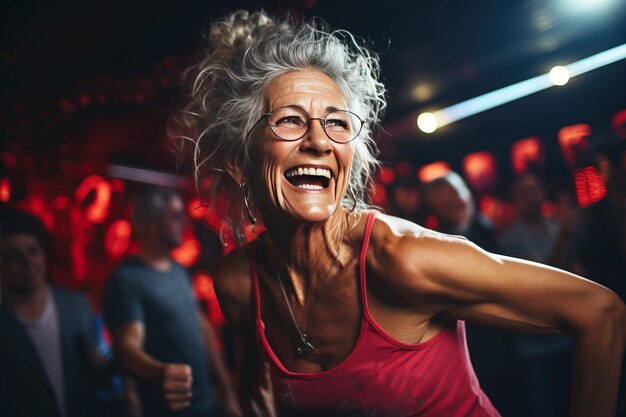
291,123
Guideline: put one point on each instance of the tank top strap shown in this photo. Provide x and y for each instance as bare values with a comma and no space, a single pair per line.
362,264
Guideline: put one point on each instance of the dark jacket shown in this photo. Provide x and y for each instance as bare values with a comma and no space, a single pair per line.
24,386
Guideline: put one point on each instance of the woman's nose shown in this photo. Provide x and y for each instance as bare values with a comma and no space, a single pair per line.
316,138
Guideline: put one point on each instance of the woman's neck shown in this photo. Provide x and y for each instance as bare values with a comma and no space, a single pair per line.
306,251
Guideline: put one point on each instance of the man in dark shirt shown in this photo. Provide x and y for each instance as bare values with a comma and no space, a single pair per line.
159,335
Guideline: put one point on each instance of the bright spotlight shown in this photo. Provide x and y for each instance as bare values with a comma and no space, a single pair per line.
427,122
587,5
559,75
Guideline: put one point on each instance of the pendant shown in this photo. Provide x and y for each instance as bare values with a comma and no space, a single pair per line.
306,347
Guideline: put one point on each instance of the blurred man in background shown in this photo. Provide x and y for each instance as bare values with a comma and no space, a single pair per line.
450,200
159,334
544,361
49,361
405,199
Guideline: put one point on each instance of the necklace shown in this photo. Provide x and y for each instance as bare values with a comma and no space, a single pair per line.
304,345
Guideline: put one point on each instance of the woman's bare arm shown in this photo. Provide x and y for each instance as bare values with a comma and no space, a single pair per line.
451,276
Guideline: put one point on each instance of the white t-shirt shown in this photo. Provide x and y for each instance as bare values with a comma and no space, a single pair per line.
45,333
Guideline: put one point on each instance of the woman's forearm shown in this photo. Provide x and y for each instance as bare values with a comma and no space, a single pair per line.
598,353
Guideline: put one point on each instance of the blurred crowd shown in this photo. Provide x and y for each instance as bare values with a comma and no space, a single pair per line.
162,357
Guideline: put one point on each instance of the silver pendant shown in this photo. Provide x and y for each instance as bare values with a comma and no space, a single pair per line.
306,347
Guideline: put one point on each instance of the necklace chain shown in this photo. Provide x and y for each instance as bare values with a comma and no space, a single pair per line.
306,346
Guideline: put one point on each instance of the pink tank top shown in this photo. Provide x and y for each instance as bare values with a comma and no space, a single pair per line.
382,377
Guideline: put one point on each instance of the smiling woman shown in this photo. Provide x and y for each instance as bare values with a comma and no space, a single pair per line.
340,310
228,99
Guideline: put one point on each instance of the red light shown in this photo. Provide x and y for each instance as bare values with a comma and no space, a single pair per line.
590,187
526,152
488,206
187,253
60,202
480,170
196,210
118,186
98,210
5,190
433,171
387,175
79,244
379,194
573,141
404,169
117,238
619,123
432,222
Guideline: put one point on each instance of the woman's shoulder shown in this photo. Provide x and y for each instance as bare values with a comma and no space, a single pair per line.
401,250
390,233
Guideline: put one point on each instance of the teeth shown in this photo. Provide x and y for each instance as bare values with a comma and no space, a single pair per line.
320,172
310,186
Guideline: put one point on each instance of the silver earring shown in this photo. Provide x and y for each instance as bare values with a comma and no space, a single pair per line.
244,191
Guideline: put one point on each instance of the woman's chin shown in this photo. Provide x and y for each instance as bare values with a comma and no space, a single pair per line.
311,213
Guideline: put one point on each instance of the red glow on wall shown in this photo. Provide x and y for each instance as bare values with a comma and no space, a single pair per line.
187,253
386,175
39,207
379,194
480,170
590,187
98,209
5,190
60,202
117,238
526,152
81,231
196,210
619,123
118,186
204,291
433,171
573,141
404,169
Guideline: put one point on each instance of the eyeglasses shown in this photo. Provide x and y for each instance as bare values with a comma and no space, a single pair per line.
292,123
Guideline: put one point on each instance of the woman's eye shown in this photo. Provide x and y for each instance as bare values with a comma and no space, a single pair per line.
290,121
337,123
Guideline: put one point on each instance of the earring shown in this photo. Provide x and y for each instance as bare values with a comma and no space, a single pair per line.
244,191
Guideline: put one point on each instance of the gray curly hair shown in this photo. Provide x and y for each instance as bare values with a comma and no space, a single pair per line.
228,96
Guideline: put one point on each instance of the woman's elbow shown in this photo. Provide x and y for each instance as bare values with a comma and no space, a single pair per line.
605,314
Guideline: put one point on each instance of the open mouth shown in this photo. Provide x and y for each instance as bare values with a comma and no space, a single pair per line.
309,178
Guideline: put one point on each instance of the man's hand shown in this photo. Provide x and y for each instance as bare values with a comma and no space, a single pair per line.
176,383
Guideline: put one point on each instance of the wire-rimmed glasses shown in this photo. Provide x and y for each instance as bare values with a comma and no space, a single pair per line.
292,123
